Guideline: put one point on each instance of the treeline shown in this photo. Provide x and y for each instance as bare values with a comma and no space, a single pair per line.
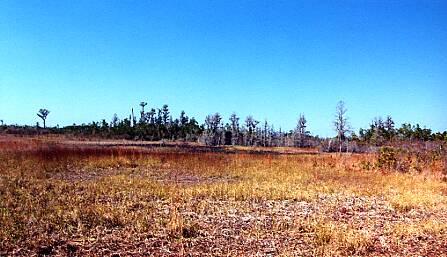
158,124
382,131
252,132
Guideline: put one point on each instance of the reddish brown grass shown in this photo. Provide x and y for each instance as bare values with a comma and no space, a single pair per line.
86,199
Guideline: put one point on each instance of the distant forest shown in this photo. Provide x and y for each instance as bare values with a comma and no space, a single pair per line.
158,124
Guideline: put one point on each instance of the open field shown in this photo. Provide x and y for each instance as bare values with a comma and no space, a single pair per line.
69,198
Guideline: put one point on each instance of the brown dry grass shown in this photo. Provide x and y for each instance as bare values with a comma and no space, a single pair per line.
67,199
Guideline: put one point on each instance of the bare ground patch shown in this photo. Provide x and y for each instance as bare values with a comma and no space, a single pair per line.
184,177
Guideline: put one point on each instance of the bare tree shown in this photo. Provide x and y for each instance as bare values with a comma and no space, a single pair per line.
134,121
341,124
300,133
251,125
235,130
43,113
213,129
265,134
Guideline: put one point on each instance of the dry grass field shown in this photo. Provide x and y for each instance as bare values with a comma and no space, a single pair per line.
84,199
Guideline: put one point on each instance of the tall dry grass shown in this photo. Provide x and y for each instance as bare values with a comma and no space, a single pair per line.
64,199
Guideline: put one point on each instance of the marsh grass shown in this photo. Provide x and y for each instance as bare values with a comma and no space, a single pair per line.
173,201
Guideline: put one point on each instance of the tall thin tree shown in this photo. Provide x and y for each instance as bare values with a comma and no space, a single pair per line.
251,125
142,104
213,129
133,119
341,124
300,133
43,113
235,130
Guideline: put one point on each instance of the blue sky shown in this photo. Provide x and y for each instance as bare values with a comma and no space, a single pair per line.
86,60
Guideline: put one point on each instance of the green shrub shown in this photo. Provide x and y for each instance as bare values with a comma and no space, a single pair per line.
392,159
387,158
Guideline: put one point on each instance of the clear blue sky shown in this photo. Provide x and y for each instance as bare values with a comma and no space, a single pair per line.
86,60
